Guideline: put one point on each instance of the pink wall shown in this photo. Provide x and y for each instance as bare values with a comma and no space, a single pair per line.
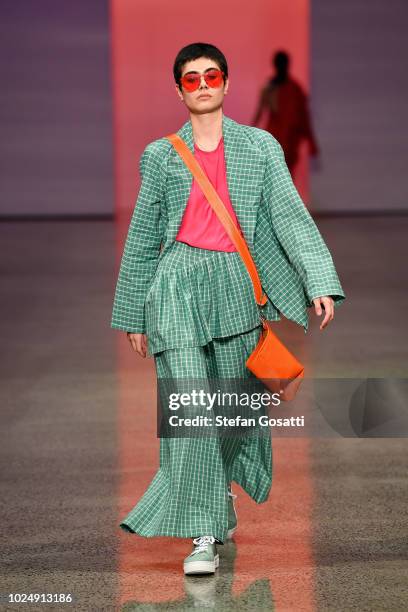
146,36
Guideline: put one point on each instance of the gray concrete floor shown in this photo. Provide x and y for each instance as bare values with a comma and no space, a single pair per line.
60,450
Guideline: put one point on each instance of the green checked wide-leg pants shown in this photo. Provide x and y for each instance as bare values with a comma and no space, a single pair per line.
188,495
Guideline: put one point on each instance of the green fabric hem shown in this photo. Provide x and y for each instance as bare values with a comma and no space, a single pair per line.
218,534
165,346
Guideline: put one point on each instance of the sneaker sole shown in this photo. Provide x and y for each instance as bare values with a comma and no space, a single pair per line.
202,567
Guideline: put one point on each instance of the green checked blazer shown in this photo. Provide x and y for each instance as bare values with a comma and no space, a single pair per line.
293,261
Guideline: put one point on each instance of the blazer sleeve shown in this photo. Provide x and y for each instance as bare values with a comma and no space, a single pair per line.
296,230
141,249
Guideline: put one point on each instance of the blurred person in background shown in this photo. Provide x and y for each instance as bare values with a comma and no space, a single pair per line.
287,113
184,289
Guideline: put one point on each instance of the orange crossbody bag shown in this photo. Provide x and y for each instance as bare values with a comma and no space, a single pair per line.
271,362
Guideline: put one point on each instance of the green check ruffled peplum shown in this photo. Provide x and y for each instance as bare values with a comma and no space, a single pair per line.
197,295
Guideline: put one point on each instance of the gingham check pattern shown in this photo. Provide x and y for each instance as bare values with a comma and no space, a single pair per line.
188,495
292,258
198,295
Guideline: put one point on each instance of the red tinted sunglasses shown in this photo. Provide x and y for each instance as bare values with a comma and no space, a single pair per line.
192,80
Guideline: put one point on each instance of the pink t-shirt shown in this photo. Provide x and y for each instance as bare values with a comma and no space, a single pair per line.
200,226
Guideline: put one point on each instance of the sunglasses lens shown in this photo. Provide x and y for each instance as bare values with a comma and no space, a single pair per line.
213,78
191,82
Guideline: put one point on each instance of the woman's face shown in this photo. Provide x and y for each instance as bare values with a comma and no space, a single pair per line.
215,95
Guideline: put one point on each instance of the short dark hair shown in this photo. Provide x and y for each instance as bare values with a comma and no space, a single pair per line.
193,52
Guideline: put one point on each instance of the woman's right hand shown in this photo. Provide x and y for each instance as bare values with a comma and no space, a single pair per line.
138,342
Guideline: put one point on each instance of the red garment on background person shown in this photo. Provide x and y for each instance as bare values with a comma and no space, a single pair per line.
200,226
289,119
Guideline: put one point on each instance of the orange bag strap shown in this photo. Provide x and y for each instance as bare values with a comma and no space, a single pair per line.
222,213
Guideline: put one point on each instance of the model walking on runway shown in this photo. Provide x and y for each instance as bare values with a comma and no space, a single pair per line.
184,294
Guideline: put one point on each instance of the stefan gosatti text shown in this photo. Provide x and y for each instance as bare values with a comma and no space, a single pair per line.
237,421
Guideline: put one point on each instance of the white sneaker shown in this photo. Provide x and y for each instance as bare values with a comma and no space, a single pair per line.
204,559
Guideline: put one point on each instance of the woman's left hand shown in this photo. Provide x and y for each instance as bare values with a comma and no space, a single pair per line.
327,303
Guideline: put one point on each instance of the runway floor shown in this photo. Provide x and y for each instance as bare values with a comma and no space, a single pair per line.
79,443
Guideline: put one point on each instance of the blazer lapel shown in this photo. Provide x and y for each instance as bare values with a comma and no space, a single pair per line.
245,166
